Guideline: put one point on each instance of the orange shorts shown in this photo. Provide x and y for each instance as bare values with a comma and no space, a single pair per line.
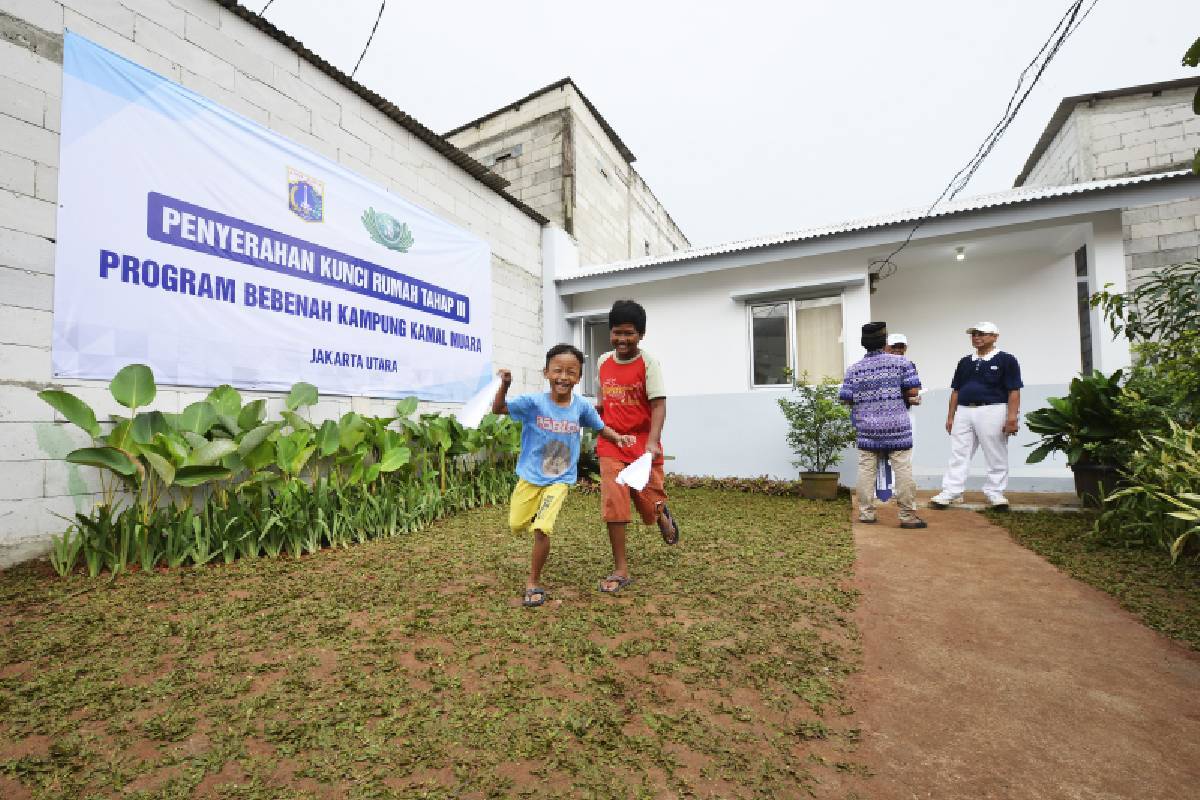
614,498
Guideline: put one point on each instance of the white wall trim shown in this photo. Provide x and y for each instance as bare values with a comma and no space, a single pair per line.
798,291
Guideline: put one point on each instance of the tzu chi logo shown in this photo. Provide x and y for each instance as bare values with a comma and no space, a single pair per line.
306,196
387,230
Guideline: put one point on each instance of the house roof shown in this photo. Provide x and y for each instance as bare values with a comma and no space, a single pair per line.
1068,104
389,109
625,152
1012,197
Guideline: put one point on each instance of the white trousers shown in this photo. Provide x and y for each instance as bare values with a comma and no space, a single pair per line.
979,428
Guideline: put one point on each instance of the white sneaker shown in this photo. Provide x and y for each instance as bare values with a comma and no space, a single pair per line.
944,500
997,501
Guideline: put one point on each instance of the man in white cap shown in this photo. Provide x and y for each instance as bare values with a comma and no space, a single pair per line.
985,401
897,345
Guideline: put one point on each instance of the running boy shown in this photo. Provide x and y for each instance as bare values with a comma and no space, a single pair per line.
546,467
633,400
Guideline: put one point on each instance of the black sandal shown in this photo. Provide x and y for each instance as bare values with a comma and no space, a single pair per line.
671,537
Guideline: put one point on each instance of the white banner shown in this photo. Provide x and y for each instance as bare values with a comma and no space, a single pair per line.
198,242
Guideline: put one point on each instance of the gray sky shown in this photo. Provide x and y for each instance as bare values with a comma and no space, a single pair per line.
760,117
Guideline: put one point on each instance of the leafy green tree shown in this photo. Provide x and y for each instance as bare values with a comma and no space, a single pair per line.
1192,59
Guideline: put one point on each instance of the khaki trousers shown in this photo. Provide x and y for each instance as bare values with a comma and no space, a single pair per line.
905,492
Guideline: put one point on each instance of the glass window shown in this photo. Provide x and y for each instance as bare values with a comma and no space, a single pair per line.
804,336
595,344
818,335
769,335
1083,300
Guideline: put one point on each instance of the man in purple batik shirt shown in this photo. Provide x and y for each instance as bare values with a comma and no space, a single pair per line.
875,387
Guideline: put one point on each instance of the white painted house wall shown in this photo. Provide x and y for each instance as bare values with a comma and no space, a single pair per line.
214,52
699,333
718,424
1030,297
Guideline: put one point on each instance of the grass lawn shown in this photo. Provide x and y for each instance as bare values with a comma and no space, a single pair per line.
1165,596
407,668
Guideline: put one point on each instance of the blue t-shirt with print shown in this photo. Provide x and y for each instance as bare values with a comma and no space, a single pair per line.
550,436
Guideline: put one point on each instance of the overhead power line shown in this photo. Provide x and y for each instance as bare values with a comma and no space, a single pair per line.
382,4
371,38
1070,21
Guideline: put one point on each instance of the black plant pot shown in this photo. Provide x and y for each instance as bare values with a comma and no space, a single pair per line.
1094,481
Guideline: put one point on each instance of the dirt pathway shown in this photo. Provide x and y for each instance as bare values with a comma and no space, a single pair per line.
990,674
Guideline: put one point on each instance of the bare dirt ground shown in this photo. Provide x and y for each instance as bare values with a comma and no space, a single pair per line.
990,674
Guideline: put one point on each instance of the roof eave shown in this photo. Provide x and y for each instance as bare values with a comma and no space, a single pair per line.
1097,200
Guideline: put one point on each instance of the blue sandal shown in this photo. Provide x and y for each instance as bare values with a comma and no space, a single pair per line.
534,596
621,582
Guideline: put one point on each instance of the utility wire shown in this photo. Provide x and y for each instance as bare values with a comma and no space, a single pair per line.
382,4
1067,25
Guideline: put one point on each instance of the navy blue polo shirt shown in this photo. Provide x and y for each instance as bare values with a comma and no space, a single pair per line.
986,380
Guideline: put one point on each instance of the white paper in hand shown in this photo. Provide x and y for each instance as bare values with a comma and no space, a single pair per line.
474,410
637,474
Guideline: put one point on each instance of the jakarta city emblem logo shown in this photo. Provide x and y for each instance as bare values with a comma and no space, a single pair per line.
387,230
306,196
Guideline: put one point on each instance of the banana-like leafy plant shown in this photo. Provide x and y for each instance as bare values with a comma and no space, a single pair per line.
224,479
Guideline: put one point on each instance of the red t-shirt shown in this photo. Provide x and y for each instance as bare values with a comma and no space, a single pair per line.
626,390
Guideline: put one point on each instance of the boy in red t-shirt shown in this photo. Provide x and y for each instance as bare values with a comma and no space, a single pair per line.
632,400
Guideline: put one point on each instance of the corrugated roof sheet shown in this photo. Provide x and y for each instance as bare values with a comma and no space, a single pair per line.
1024,194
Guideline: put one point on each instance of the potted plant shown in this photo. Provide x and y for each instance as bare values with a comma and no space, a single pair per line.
819,429
1088,428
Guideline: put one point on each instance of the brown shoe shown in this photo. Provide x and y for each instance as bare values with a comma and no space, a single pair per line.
914,524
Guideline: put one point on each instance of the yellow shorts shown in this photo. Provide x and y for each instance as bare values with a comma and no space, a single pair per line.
534,508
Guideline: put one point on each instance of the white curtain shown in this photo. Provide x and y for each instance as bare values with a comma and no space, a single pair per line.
819,338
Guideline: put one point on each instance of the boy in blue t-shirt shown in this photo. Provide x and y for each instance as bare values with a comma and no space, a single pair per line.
549,452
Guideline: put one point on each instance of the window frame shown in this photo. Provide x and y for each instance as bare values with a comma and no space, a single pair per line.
579,334
791,300
1087,336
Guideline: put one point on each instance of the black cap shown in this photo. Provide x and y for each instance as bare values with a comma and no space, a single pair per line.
874,335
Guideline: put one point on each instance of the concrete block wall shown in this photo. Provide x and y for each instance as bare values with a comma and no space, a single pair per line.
1143,133
602,224
1129,135
618,214
529,151
1159,236
1115,137
1062,163
569,170
206,48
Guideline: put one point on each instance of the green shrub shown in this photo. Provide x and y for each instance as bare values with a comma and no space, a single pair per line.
1163,385
1160,504
819,426
1085,425
1159,407
220,480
